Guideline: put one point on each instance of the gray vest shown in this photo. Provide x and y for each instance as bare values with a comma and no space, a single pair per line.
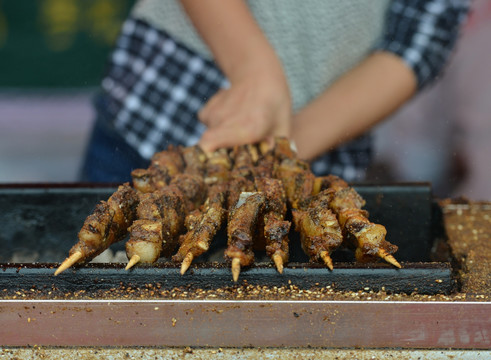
316,40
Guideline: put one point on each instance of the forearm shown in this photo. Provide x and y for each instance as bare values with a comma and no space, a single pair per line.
257,105
232,34
353,104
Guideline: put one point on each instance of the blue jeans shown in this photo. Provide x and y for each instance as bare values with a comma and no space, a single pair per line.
108,158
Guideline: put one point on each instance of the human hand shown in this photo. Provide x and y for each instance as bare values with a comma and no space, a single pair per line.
256,107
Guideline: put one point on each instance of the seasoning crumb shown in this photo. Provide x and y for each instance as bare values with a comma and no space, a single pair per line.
174,322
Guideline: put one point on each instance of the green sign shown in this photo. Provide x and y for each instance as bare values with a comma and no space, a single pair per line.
57,43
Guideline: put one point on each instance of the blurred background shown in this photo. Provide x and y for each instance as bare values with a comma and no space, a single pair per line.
53,54
52,57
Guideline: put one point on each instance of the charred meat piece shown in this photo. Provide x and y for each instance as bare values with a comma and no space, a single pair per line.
161,215
367,238
276,228
145,243
142,180
242,224
266,165
160,221
194,160
242,174
163,167
240,187
106,225
218,167
243,162
166,164
298,182
236,187
319,229
173,214
193,188
284,149
203,225
192,182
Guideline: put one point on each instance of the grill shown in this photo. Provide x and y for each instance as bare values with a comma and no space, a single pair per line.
87,306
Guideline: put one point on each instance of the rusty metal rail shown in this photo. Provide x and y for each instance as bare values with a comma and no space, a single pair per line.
209,323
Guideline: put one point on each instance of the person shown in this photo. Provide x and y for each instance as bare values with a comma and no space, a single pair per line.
225,73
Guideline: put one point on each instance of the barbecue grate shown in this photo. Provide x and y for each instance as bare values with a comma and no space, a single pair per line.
43,221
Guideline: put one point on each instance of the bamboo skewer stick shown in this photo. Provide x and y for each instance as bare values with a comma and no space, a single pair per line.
69,261
278,261
186,263
327,259
106,225
133,261
389,258
235,269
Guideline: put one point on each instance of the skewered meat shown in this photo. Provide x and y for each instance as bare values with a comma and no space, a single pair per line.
284,149
107,225
368,238
218,167
161,213
240,187
320,233
194,160
192,187
242,175
266,164
242,224
319,229
276,229
163,167
203,225
143,180
298,182
191,182
160,221
254,195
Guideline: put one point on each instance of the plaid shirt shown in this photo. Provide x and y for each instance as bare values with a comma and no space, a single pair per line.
155,86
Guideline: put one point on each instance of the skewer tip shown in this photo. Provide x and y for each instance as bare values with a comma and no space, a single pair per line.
133,261
186,263
327,260
389,258
69,261
278,261
235,269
